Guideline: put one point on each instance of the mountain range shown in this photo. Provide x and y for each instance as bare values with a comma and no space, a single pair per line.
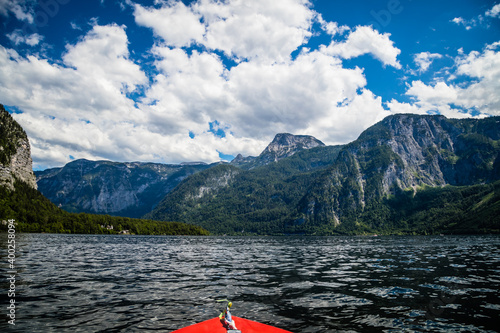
406,174
105,187
134,189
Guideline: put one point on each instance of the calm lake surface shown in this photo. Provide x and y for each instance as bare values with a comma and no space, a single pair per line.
96,283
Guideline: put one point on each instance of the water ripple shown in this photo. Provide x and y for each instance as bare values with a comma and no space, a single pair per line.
93,283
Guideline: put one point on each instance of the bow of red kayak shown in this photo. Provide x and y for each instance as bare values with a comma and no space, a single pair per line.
244,325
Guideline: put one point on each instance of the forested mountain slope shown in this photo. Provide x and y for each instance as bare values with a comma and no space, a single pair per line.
406,174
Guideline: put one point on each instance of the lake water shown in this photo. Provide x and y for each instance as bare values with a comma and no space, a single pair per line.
96,283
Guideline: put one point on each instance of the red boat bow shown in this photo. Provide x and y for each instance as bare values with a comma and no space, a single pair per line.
244,325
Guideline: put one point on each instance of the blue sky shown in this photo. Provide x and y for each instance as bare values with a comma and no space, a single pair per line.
171,81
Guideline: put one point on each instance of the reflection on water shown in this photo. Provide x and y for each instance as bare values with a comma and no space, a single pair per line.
94,283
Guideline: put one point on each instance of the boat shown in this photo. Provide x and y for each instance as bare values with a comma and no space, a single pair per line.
244,326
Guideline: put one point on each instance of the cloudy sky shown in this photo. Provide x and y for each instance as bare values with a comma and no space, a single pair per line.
177,81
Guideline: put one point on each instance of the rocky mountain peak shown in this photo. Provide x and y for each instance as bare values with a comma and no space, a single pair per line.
282,146
290,142
285,145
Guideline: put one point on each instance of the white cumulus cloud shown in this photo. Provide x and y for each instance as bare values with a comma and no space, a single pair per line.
23,10
177,24
480,95
494,11
257,29
481,20
19,37
424,60
74,107
81,104
366,40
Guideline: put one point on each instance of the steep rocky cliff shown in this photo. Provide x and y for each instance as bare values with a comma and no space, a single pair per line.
104,187
403,153
15,155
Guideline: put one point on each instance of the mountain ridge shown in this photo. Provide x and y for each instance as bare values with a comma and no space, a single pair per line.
118,188
377,183
403,152
401,155
133,189
249,196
